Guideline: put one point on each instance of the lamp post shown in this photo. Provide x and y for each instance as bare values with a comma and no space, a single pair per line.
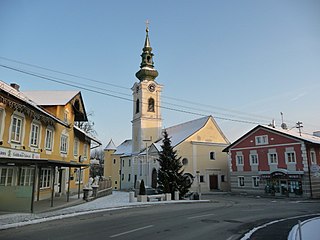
147,161
199,187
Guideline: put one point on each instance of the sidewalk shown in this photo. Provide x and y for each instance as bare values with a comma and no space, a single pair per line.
75,207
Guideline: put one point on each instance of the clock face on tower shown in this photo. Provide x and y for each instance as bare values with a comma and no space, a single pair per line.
152,87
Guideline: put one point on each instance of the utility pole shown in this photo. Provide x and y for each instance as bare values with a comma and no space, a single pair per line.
299,126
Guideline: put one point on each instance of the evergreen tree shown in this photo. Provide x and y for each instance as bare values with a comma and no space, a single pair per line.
170,173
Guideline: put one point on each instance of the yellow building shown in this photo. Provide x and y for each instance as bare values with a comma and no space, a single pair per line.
199,143
43,154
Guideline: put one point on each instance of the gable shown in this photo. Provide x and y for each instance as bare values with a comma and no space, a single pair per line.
210,132
272,138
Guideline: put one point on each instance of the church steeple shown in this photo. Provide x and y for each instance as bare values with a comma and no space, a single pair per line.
147,70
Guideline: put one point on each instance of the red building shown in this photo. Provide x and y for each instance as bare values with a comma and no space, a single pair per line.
279,162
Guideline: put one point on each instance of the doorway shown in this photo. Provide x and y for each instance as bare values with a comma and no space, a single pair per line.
213,179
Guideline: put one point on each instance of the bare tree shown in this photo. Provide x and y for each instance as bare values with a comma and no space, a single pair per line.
88,126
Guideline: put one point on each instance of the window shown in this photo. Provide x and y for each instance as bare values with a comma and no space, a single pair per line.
201,178
253,159
255,181
85,150
6,176
79,176
129,177
239,160
49,137
34,139
64,143
240,181
65,116
16,129
185,161
129,163
313,157
290,157
261,140
137,106
273,158
75,147
45,178
1,118
212,156
151,105
223,178
26,177
114,161
122,176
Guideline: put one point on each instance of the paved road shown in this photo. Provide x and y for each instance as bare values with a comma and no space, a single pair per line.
224,217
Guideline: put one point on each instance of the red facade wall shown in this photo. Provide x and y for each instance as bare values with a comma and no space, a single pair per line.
275,141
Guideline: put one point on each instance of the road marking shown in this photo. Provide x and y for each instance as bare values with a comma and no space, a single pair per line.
201,216
131,231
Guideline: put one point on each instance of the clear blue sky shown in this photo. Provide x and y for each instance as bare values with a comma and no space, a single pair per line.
241,60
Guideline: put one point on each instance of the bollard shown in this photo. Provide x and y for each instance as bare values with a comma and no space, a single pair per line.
176,195
168,196
131,196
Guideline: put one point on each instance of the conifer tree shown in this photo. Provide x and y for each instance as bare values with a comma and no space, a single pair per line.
170,173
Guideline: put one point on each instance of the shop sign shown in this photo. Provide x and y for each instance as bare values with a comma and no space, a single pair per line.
314,168
278,174
265,176
294,176
13,153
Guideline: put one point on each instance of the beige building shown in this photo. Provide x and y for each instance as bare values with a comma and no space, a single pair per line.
199,143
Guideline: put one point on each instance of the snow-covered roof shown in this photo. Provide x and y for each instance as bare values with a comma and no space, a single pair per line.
110,146
287,132
23,97
124,148
293,133
50,98
180,132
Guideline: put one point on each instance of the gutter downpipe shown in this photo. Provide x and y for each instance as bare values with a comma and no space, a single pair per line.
309,173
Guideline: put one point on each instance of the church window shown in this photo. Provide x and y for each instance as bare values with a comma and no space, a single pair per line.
185,161
137,106
151,105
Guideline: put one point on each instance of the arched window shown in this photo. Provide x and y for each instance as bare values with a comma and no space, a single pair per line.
185,161
151,105
212,156
137,106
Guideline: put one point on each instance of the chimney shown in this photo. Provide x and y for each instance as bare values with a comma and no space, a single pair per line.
317,133
15,86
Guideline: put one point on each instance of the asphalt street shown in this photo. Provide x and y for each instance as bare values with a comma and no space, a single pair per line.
223,218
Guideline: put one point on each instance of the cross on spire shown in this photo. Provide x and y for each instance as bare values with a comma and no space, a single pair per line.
147,25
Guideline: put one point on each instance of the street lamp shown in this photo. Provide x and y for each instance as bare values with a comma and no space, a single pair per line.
147,161
199,187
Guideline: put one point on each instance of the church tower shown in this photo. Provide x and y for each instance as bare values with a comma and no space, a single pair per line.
146,121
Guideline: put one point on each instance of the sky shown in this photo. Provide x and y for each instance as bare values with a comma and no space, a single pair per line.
243,62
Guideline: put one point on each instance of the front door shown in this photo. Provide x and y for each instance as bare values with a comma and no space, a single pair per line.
213,182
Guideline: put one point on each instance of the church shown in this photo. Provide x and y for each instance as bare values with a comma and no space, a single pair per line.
199,142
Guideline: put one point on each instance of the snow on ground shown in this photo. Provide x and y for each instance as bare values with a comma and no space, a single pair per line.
117,200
